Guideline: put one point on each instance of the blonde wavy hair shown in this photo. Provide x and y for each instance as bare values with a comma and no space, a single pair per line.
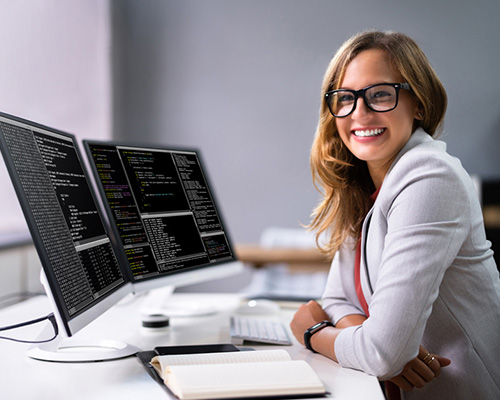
342,179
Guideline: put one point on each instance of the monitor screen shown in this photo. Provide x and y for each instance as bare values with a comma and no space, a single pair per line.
161,207
82,275
164,226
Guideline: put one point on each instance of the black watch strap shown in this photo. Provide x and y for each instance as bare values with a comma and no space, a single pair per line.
312,330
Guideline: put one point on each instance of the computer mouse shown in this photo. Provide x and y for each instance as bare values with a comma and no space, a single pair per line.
258,307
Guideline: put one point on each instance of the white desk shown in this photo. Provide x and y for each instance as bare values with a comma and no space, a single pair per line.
25,378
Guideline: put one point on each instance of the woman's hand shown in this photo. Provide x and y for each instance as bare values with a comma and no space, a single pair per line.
421,370
306,316
416,373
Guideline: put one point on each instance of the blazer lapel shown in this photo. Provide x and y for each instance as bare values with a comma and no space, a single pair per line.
366,284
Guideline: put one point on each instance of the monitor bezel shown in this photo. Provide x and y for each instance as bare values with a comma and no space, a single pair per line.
68,325
192,275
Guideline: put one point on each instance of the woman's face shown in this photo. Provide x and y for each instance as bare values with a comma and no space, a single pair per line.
371,136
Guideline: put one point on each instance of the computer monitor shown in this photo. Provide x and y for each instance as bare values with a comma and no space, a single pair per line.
165,227
80,269
161,207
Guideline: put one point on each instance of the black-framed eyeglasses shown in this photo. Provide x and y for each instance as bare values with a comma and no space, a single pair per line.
381,97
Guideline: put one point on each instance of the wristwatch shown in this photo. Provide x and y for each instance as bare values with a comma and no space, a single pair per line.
312,330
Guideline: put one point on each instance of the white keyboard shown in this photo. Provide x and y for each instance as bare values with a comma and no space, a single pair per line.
258,330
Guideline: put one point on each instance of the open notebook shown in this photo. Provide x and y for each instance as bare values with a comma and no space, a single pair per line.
240,374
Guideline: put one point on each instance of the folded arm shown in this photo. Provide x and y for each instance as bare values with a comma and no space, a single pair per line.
416,373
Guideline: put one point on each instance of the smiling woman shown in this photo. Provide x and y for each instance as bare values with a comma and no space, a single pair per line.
332,160
406,231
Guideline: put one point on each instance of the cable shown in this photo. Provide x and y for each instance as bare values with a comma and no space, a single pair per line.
50,317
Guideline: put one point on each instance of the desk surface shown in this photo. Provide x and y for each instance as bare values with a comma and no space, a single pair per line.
25,378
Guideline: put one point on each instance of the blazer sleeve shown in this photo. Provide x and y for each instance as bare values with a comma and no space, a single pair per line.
425,204
340,298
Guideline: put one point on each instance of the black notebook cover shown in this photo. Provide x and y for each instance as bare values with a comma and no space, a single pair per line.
146,356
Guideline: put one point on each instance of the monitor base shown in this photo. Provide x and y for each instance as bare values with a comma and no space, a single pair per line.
72,351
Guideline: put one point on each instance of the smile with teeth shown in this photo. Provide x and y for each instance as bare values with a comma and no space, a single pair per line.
368,132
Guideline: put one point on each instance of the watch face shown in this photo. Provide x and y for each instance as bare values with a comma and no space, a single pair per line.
316,326
312,330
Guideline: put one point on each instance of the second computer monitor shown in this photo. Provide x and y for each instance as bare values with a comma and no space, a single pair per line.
163,212
81,272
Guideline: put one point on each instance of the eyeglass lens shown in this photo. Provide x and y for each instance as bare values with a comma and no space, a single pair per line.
378,98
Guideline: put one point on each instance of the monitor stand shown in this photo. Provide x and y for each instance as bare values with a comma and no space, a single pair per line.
161,302
72,350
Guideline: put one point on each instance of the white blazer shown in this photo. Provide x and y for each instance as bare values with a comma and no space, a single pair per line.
428,276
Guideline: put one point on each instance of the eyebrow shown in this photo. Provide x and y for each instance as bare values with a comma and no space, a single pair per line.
371,84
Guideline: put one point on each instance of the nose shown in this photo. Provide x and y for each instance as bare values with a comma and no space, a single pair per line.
361,110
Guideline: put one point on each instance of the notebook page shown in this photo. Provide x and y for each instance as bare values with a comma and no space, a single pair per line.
243,380
161,363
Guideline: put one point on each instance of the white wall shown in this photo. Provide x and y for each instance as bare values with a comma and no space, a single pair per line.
54,70
20,273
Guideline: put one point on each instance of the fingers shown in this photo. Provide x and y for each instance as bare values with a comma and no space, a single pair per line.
417,373
306,316
402,383
299,323
443,361
425,359
434,363
422,352
410,378
317,311
421,370
416,379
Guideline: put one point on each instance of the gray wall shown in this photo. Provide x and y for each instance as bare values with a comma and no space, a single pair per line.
240,80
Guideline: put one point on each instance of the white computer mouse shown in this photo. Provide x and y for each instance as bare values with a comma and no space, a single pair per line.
258,307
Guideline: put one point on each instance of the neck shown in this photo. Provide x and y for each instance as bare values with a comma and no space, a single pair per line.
377,173
378,169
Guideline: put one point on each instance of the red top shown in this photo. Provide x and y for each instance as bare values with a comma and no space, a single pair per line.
357,268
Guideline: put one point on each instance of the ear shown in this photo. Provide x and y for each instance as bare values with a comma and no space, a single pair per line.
419,113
